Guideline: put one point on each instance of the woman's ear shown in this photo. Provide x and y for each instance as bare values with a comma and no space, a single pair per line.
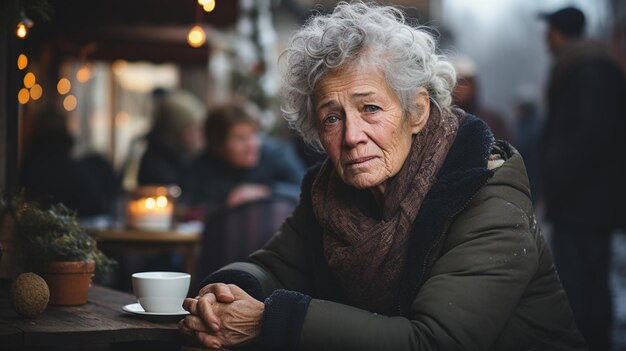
420,117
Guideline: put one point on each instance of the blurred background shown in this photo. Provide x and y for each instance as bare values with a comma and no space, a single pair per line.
101,61
103,67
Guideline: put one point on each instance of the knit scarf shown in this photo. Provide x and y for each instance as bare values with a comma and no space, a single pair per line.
365,245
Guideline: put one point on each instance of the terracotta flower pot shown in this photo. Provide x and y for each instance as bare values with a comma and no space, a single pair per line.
68,282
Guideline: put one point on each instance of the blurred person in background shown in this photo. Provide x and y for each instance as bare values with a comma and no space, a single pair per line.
466,96
416,233
174,140
528,127
582,166
239,165
51,174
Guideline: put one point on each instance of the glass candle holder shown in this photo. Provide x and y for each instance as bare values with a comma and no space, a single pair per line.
152,207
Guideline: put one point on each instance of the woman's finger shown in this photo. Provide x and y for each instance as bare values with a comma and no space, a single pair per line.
220,290
223,293
198,337
195,323
209,288
189,304
182,327
189,335
206,312
209,340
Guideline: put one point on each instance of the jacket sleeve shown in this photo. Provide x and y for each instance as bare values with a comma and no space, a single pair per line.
487,261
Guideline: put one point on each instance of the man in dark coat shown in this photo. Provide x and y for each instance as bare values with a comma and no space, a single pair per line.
583,168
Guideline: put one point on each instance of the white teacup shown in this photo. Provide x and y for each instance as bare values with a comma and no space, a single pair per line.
161,292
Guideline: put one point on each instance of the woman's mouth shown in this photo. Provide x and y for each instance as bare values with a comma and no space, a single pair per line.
359,162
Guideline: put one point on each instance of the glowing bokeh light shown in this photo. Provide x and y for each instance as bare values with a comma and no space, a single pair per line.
21,31
22,61
161,202
29,79
69,103
196,36
23,96
83,74
64,86
36,91
150,203
209,6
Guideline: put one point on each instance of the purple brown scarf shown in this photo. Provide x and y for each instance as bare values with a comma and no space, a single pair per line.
366,251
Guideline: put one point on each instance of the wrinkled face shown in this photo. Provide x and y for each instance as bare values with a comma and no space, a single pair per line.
363,127
242,146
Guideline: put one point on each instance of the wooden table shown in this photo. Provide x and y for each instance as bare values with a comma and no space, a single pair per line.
101,321
138,241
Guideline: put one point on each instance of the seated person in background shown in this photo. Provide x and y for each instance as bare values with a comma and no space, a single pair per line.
174,140
466,97
239,165
49,172
417,233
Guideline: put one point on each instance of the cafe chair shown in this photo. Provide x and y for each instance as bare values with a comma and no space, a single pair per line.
231,234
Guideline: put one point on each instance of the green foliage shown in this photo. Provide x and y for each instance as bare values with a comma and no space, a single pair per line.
53,234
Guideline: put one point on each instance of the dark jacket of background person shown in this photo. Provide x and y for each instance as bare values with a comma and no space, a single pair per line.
279,168
583,167
528,128
49,172
476,221
173,141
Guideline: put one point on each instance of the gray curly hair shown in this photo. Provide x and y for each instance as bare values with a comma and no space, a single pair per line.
360,33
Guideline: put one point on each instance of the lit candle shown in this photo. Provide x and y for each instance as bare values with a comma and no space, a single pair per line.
151,212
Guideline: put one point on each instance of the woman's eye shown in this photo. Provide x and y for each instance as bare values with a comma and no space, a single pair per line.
331,119
371,108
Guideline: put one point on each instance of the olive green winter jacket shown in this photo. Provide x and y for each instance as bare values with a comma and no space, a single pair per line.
479,277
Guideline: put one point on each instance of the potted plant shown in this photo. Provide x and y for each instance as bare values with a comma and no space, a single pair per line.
54,244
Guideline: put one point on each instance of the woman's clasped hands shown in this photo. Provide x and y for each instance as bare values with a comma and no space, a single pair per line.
221,315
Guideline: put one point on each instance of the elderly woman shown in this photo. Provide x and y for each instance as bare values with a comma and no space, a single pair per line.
417,233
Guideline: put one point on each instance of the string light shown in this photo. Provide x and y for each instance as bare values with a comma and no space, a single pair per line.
21,31
22,61
36,92
209,6
69,103
23,96
203,2
64,86
196,36
23,26
83,74
29,79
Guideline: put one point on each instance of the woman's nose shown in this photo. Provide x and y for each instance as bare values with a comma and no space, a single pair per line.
354,131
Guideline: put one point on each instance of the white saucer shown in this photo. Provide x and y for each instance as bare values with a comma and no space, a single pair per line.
136,308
